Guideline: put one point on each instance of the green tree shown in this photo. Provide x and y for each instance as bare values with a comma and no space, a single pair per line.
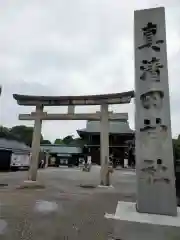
23,133
44,141
58,141
68,139
5,133
20,133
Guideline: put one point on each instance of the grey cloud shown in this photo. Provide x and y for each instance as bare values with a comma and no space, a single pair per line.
10,110
76,47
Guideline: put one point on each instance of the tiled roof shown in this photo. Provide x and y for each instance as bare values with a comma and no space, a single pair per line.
114,127
13,145
61,149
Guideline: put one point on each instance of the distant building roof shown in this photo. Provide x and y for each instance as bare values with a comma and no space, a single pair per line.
61,149
13,145
116,127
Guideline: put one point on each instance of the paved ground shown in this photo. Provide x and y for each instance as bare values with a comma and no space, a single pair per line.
63,210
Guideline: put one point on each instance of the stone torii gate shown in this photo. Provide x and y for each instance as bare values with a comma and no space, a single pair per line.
71,101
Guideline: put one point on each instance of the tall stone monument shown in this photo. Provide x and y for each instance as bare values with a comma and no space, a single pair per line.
154,154
155,215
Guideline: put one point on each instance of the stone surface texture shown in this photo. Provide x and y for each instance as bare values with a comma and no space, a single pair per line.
104,142
131,225
62,210
154,154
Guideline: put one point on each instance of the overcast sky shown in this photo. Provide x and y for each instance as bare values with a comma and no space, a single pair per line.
71,47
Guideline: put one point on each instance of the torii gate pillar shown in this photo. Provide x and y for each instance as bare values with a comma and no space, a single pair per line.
104,145
35,145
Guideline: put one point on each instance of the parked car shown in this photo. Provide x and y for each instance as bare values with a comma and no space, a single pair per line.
19,161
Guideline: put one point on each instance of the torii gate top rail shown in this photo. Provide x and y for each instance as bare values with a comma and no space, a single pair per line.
113,98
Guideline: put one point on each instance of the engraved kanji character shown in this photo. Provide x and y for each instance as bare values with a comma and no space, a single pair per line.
152,99
149,32
153,67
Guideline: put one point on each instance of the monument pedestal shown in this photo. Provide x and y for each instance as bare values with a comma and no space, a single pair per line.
131,225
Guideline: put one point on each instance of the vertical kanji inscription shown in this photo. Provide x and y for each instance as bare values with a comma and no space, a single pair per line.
154,154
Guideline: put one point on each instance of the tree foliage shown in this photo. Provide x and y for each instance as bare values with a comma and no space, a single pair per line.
44,141
5,133
58,141
24,133
20,133
69,140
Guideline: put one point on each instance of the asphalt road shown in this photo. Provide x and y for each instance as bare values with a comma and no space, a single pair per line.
63,209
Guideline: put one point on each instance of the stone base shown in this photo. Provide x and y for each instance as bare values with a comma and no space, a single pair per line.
28,184
131,225
103,186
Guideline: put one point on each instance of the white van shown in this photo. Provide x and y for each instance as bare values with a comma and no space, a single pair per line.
19,161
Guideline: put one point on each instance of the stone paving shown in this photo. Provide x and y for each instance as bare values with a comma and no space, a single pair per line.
63,210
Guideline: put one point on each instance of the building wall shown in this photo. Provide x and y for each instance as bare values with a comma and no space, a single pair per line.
118,154
118,147
114,139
